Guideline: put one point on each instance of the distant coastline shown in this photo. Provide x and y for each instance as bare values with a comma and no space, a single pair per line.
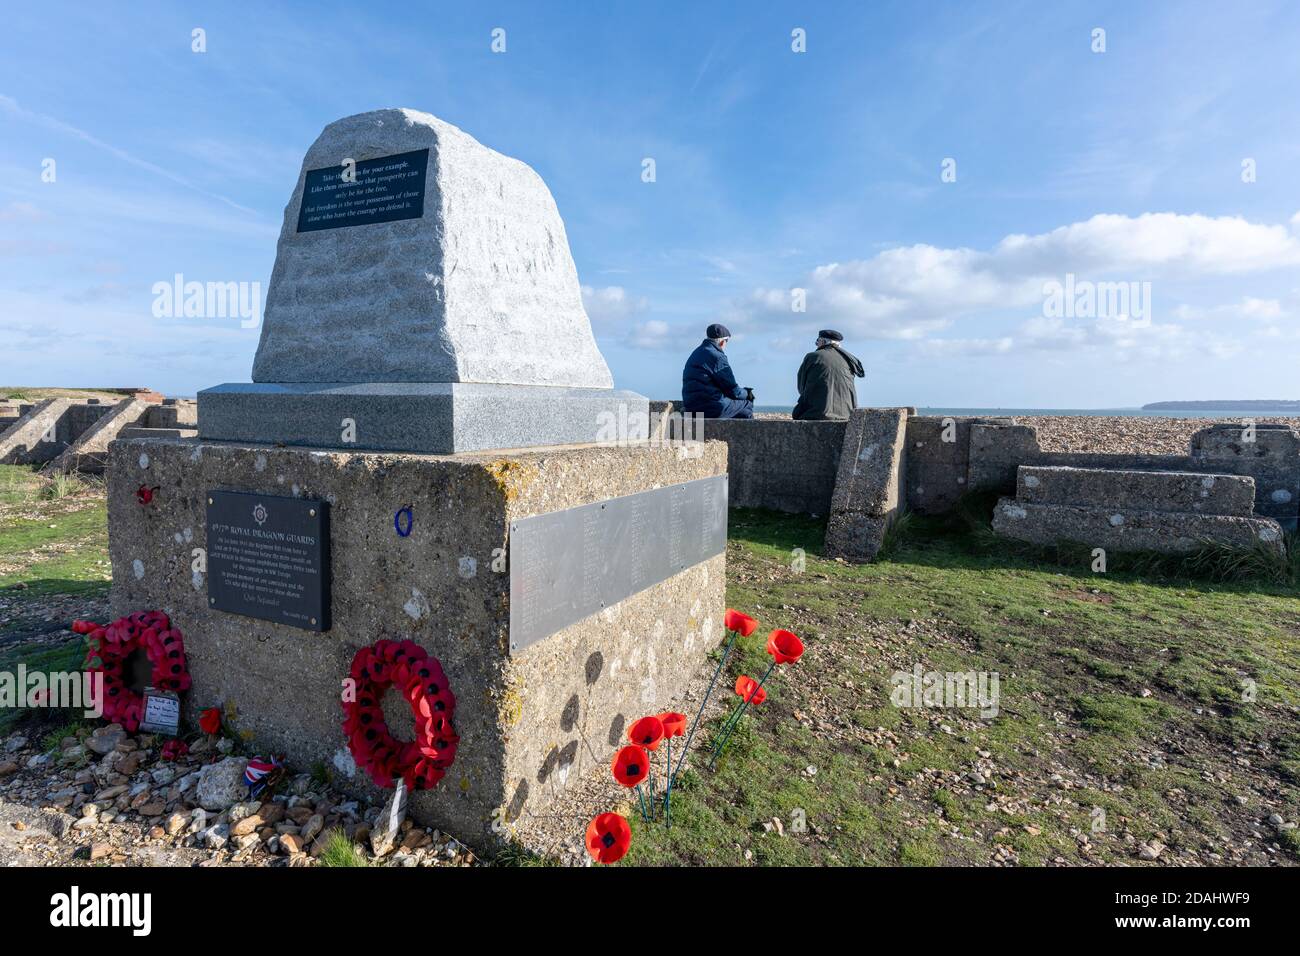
1219,405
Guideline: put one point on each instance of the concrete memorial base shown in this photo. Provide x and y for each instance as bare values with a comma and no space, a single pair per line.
463,555
430,418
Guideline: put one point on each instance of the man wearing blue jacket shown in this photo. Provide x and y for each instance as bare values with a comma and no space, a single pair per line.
708,386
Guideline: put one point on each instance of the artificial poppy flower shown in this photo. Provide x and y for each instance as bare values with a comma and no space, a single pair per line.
174,749
735,621
647,732
674,724
784,647
631,764
748,690
144,494
608,838
210,720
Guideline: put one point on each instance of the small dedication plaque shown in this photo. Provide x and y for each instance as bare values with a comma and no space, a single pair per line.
268,557
162,712
372,190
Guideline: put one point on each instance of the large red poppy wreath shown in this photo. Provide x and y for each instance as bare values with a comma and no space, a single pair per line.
405,666
111,645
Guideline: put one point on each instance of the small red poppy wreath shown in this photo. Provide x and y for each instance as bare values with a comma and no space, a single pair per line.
112,644
405,666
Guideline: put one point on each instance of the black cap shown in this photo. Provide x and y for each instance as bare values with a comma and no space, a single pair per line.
830,335
716,331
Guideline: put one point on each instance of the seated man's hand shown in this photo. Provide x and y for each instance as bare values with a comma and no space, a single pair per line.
749,393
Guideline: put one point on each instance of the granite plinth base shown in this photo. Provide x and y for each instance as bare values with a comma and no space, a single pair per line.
439,418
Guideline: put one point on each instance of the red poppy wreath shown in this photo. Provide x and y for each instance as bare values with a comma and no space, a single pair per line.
113,644
405,666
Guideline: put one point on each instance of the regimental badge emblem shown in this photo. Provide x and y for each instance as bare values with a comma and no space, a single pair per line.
259,513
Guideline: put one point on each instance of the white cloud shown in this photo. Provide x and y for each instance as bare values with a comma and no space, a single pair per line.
617,318
908,292
945,347
654,334
611,305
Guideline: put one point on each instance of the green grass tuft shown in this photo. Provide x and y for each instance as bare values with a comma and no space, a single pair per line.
340,851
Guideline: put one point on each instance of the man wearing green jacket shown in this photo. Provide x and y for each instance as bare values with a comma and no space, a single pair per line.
826,387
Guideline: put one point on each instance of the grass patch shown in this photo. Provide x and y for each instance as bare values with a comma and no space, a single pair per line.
340,851
1129,688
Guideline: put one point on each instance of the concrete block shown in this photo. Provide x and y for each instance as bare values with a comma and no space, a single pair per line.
1167,532
1236,440
871,460
995,453
529,723
173,414
1120,490
779,464
870,487
937,459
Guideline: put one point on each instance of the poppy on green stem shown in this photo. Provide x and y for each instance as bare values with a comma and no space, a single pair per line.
608,838
647,732
747,689
631,764
784,647
733,620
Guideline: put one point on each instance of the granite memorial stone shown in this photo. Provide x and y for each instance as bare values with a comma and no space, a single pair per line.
423,299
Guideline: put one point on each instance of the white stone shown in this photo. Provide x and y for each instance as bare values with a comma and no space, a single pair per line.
480,288
221,784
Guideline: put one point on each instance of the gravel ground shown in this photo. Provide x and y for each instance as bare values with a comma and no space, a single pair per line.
1120,434
112,797
1116,434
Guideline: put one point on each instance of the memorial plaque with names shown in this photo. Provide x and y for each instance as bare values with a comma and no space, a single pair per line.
385,189
569,564
268,557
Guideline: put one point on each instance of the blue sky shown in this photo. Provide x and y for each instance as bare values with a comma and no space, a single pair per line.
775,170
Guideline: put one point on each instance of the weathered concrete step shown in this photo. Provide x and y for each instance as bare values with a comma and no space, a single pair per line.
37,436
1117,529
136,431
1121,489
89,451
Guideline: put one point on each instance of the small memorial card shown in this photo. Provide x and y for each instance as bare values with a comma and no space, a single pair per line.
162,712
